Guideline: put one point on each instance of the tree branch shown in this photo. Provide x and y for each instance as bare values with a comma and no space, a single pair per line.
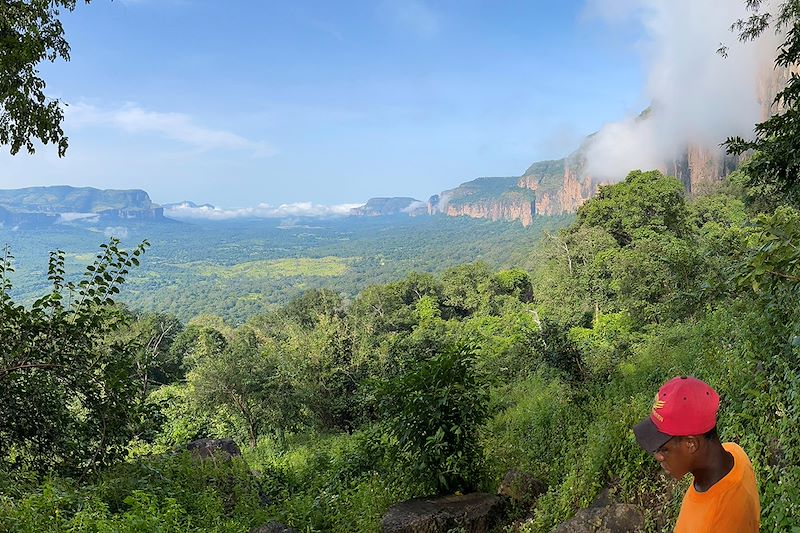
6,371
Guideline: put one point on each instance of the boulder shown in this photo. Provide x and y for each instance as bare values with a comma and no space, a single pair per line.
521,487
604,499
206,448
475,513
273,527
614,518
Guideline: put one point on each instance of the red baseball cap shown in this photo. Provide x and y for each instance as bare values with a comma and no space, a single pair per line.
683,406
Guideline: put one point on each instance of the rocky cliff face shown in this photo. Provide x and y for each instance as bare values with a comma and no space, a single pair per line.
561,186
770,82
63,199
13,220
699,168
519,210
490,198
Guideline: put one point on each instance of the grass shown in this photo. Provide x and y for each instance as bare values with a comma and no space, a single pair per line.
324,267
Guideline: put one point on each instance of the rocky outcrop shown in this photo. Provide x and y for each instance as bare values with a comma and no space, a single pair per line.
490,198
473,513
699,168
63,199
613,518
560,186
273,527
520,487
522,211
210,448
12,219
770,82
69,204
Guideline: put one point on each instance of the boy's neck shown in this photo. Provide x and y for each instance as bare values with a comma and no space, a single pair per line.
713,465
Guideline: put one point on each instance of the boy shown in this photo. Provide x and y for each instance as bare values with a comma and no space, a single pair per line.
681,433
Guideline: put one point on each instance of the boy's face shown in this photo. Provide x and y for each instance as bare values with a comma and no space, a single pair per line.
675,456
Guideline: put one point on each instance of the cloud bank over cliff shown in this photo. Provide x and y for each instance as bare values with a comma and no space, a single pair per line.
696,95
187,211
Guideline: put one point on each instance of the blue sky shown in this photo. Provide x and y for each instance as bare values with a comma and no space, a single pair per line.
238,103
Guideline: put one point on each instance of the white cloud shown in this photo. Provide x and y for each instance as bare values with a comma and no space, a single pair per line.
697,96
416,207
413,15
298,209
180,127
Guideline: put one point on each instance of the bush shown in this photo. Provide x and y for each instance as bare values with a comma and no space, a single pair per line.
165,494
67,386
434,413
605,344
532,430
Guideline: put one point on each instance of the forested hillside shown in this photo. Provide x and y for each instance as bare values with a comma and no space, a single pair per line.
540,371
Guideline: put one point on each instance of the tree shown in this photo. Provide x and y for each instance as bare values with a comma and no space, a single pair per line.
246,380
657,278
66,375
309,308
435,413
774,170
156,364
462,288
573,273
514,282
644,201
30,32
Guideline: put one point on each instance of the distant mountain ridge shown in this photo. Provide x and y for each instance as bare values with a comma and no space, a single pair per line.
550,187
36,206
383,206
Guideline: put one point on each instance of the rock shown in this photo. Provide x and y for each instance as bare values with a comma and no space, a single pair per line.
521,487
604,499
498,198
205,448
273,527
614,518
475,513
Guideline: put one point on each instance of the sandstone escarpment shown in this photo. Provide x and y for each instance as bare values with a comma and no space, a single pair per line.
491,198
523,211
560,188
700,168
37,206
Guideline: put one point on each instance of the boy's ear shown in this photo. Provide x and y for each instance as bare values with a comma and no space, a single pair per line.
692,443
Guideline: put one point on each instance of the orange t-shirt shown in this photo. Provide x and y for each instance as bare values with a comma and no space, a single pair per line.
730,506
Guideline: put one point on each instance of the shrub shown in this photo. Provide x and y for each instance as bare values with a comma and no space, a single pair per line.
435,413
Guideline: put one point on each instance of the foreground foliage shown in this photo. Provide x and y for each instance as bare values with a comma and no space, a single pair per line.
345,408
66,393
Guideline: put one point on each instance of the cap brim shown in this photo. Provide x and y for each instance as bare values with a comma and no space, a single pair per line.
648,436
